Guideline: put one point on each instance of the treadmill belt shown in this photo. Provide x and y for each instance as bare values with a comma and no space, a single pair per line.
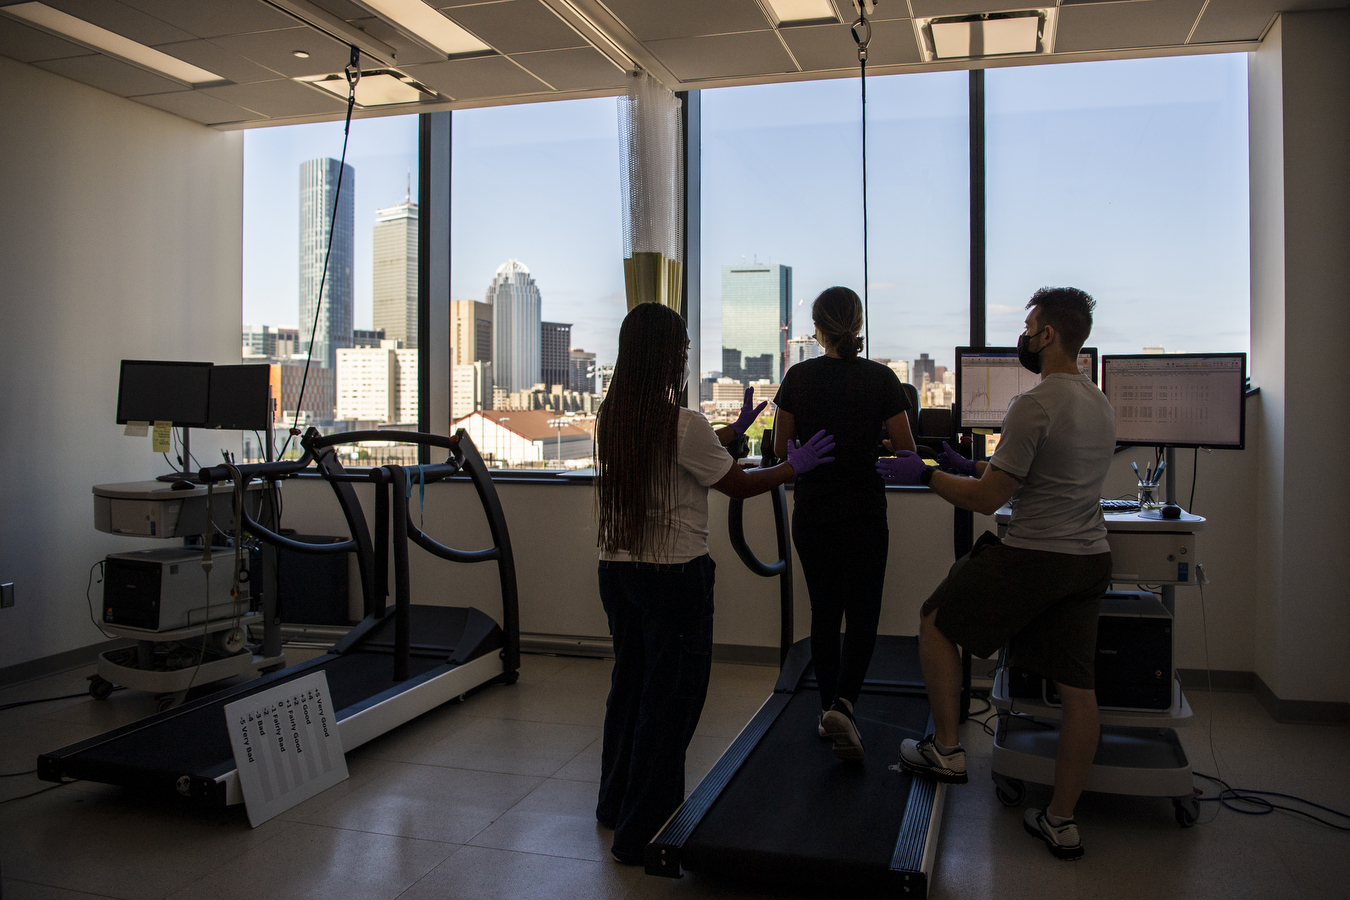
793,812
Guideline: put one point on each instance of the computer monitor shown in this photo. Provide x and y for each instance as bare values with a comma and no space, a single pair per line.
164,391
987,378
1178,399
239,398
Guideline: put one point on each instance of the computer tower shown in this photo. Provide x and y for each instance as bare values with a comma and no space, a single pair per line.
1133,661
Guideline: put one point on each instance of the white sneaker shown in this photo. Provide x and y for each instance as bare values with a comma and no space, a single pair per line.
840,726
924,758
1062,839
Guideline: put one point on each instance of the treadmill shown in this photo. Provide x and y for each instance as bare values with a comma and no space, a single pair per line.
779,807
401,661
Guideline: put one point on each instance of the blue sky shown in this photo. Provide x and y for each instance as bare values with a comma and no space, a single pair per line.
1125,178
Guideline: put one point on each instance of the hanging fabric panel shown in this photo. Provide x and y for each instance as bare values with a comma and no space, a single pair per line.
651,172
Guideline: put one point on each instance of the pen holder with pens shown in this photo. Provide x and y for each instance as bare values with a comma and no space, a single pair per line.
1150,495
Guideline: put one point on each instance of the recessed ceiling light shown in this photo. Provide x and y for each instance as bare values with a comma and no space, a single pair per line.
802,12
989,34
299,54
67,26
377,87
427,26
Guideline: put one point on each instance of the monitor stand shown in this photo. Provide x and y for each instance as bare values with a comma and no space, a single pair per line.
187,474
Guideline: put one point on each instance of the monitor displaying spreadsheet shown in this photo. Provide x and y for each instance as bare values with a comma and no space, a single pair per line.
987,378
1178,399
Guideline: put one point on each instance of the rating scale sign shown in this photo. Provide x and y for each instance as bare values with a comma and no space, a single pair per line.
286,745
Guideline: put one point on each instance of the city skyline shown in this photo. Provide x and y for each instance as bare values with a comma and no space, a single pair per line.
326,259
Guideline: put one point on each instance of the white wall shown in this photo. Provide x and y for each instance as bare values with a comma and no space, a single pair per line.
1300,176
121,238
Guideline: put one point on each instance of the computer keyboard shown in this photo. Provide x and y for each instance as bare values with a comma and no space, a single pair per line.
1120,505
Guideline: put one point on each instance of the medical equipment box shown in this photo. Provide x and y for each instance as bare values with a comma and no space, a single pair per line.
165,590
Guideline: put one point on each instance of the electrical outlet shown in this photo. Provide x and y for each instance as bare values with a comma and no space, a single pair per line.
6,595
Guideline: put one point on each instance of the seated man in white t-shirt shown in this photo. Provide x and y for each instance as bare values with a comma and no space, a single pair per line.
1039,589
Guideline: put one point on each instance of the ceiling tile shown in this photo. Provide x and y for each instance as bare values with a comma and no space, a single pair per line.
469,79
198,107
217,17
724,55
1111,26
407,52
277,99
518,26
30,45
889,9
343,9
214,58
111,75
651,21
574,70
819,47
120,19
1246,20
275,50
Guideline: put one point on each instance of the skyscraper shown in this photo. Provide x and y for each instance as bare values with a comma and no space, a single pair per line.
555,348
583,370
395,273
800,349
318,188
755,304
515,301
925,369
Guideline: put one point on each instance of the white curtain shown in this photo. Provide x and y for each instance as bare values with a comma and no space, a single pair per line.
651,172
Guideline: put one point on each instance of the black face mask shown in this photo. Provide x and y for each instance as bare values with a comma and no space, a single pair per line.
1030,361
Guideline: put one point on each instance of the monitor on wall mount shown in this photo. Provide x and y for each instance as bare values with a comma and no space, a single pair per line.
1178,399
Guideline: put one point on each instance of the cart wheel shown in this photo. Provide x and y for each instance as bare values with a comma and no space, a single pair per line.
100,688
1187,811
1010,791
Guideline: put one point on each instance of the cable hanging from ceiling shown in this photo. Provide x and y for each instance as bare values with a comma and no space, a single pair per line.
862,36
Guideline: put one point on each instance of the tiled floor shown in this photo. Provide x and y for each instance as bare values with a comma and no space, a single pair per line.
494,798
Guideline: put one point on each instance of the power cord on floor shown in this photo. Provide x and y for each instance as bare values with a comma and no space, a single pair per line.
18,703
35,793
1229,795
18,774
89,601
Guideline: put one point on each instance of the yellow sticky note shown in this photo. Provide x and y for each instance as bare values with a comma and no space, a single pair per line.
930,462
159,439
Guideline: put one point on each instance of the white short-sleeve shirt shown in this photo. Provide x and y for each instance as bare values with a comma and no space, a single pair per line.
701,462
1059,438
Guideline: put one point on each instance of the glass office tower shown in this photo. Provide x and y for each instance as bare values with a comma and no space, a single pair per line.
394,296
515,302
318,187
756,300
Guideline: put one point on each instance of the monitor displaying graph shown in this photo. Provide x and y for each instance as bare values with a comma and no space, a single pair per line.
1178,399
987,378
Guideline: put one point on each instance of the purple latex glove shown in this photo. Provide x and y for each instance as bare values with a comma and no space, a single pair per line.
903,468
805,457
749,412
954,462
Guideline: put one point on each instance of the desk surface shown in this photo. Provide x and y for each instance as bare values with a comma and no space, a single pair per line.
1134,521
163,490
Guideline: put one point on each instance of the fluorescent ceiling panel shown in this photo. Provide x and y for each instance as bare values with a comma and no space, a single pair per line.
802,12
425,24
377,87
111,43
991,34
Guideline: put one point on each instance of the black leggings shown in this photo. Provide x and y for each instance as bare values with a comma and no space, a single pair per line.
845,567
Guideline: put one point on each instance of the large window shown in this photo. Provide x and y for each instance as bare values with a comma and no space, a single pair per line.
783,220
536,276
1128,179
364,368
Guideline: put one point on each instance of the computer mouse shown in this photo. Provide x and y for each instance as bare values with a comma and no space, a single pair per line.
182,484
1171,512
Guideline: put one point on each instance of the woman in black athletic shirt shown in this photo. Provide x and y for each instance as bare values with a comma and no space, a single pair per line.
839,511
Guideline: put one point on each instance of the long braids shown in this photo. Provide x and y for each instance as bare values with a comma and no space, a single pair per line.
637,434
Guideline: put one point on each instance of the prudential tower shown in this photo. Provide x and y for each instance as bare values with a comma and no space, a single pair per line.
514,299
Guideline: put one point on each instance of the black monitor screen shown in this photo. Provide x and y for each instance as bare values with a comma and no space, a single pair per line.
163,391
987,378
239,398
1178,399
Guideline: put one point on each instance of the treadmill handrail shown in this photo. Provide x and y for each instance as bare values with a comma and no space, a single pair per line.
264,533
782,568
736,531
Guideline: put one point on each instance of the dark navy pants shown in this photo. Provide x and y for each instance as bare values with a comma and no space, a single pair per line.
662,621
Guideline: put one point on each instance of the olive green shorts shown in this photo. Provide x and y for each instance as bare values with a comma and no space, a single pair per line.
1043,605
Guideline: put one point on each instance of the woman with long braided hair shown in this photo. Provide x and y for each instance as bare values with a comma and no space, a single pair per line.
654,464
